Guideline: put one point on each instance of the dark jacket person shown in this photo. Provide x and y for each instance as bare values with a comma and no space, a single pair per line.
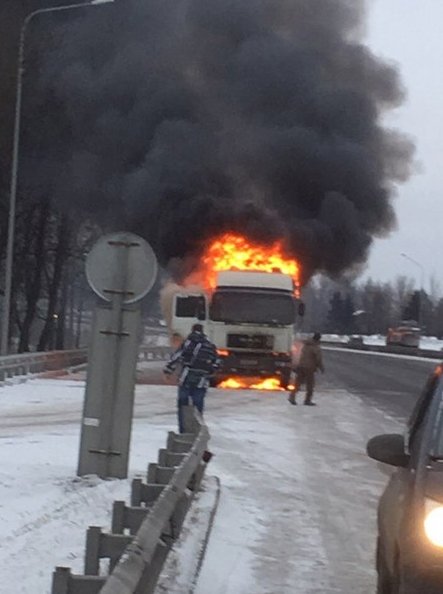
311,360
198,359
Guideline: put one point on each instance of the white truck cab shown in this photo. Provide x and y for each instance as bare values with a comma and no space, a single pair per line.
250,317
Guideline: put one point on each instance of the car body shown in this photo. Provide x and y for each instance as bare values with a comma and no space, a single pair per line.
410,511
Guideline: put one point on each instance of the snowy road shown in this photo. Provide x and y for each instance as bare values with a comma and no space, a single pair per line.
298,494
297,510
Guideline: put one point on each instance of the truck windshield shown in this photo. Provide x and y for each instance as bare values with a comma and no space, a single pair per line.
251,307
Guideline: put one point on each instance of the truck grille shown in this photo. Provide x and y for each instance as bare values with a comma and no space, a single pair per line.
250,341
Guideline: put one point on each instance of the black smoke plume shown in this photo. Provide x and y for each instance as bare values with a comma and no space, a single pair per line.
181,119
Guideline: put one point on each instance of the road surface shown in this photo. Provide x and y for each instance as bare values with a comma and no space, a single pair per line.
298,505
298,493
389,382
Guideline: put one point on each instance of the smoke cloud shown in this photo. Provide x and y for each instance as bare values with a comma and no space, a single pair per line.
187,118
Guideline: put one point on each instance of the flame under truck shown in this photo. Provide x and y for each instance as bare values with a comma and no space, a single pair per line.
250,317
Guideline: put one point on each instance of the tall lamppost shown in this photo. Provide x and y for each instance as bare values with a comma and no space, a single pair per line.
14,166
422,276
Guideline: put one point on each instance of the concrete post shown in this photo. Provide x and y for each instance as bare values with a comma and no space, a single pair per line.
92,552
148,581
60,580
189,421
118,517
178,517
127,518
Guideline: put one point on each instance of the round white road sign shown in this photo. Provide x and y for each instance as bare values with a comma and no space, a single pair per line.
121,264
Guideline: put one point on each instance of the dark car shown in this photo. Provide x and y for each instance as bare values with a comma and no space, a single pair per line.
410,511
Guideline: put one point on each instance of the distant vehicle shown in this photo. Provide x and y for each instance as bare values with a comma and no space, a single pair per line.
410,511
250,317
406,334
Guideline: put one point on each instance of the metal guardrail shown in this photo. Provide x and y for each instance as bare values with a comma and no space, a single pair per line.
356,345
25,364
28,364
155,353
143,533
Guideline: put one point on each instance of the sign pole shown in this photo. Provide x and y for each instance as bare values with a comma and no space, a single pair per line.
120,268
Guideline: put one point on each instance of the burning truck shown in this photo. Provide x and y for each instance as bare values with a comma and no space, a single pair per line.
249,304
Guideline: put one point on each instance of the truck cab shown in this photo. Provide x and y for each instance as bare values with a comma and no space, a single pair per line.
250,317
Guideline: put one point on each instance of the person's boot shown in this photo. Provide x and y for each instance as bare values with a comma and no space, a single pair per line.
309,403
291,398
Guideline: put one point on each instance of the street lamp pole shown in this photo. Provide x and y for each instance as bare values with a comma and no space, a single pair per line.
14,167
422,275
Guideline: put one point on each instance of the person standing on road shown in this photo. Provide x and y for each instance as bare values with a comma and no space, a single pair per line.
198,359
310,361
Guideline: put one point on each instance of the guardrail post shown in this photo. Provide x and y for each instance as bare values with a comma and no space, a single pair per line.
196,478
60,580
144,493
92,553
159,475
162,457
169,459
149,579
190,423
100,545
65,582
118,517
136,492
151,475
127,518
162,475
178,517
170,440
180,447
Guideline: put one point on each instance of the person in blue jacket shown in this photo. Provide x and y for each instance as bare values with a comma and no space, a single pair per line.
197,357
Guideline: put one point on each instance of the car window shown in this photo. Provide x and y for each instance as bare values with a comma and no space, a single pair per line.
416,420
437,435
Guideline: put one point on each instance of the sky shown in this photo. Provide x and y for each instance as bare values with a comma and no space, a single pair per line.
408,32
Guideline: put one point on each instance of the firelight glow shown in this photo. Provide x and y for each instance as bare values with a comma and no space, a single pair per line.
234,252
236,383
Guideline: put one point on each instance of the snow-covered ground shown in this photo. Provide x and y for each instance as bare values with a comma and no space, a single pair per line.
297,501
44,508
426,342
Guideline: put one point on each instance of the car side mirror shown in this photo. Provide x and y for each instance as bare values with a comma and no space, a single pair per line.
389,449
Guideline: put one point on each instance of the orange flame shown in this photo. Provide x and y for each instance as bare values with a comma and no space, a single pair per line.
231,384
234,252
236,383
